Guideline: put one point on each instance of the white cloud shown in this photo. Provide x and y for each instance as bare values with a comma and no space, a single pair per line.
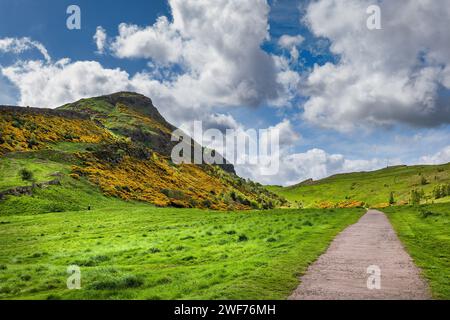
160,42
288,42
288,136
19,45
291,43
288,79
218,47
51,85
221,122
440,157
387,76
100,38
314,163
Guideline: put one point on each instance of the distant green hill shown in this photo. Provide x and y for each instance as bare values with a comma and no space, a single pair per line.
372,189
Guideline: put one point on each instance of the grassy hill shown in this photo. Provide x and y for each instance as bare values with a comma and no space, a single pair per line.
372,189
114,146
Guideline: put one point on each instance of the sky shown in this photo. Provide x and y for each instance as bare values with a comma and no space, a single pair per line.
343,97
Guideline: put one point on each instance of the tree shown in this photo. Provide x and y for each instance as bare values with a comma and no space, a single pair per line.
423,181
437,192
445,190
415,197
391,198
441,191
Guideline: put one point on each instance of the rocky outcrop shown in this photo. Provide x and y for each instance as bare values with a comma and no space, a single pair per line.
28,190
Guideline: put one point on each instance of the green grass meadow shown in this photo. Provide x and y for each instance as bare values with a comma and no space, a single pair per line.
425,233
136,251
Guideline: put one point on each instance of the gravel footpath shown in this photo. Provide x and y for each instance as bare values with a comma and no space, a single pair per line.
341,272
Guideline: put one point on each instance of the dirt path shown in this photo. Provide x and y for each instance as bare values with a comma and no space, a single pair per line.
341,272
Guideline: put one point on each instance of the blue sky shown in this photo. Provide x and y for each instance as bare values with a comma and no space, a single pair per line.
45,21
365,128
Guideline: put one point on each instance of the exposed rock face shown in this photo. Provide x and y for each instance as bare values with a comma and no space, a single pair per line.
28,190
138,119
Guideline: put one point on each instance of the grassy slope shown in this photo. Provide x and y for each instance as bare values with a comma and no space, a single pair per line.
427,239
42,163
137,251
71,196
42,169
371,187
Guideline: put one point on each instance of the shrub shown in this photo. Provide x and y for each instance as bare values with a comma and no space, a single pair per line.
18,123
423,213
124,282
207,203
243,200
5,290
132,281
37,255
163,280
26,175
423,181
416,196
391,198
189,258
254,205
154,250
32,142
70,137
92,261
242,238
193,203
173,194
441,191
25,277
